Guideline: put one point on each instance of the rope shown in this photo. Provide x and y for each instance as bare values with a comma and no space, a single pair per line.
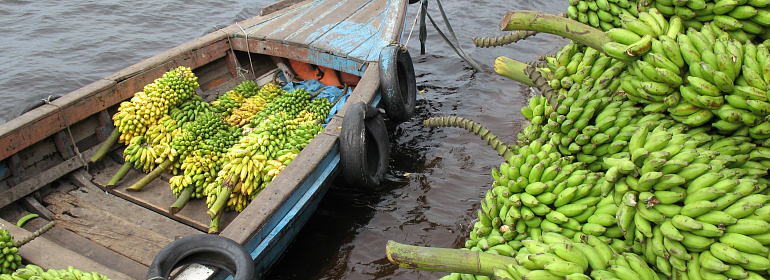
458,50
72,139
413,24
235,60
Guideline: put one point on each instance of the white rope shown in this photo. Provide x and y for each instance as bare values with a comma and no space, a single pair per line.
413,24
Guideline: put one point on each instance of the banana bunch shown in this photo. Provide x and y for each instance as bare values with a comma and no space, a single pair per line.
744,20
190,110
243,115
201,148
288,103
554,256
603,14
9,256
232,99
31,271
270,91
141,153
145,108
247,88
576,64
319,108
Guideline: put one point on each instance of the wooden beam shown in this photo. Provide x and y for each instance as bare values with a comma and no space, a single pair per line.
38,251
44,178
62,142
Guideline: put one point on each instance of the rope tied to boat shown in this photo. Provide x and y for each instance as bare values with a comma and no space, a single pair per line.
69,132
238,67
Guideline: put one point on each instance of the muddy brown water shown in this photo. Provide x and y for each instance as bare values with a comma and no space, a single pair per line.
436,178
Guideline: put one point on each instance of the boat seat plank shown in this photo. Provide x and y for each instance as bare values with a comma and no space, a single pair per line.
308,20
322,22
105,228
157,196
49,255
354,31
289,20
139,215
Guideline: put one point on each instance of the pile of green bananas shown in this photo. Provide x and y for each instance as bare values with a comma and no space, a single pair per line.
31,271
270,91
9,256
654,143
145,108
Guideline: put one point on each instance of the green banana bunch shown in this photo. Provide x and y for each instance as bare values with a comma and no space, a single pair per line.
31,271
289,103
233,99
9,256
603,14
189,110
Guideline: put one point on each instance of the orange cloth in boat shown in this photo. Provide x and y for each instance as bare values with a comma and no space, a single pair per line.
305,71
330,77
349,79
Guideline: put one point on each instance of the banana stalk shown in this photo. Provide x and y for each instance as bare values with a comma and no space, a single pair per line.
472,126
34,235
445,259
151,176
223,197
513,69
106,145
214,225
120,174
554,24
183,198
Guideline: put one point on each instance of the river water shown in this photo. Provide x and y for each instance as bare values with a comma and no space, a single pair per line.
437,176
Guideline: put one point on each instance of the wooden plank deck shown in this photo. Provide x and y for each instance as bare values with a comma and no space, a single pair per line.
158,197
333,31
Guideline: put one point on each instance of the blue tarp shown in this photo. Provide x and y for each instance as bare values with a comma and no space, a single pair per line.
329,92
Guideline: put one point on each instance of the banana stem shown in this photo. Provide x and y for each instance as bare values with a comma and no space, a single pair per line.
35,234
183,198
513,69
120,174
214,225
151,176
475,127
445,259
106,145
223,196
554,24
541,83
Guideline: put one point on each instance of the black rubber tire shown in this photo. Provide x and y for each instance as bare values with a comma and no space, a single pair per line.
364,146
204,249
397,82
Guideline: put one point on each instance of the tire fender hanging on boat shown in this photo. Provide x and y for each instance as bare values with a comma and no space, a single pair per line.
397,83
364,146
204,249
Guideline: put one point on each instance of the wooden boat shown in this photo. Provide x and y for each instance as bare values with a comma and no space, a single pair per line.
45,152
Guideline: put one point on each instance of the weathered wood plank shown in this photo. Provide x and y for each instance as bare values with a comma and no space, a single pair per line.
157,196
40,251
43,178
277,21
356,28
105,228
137,214
316,22
277,6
